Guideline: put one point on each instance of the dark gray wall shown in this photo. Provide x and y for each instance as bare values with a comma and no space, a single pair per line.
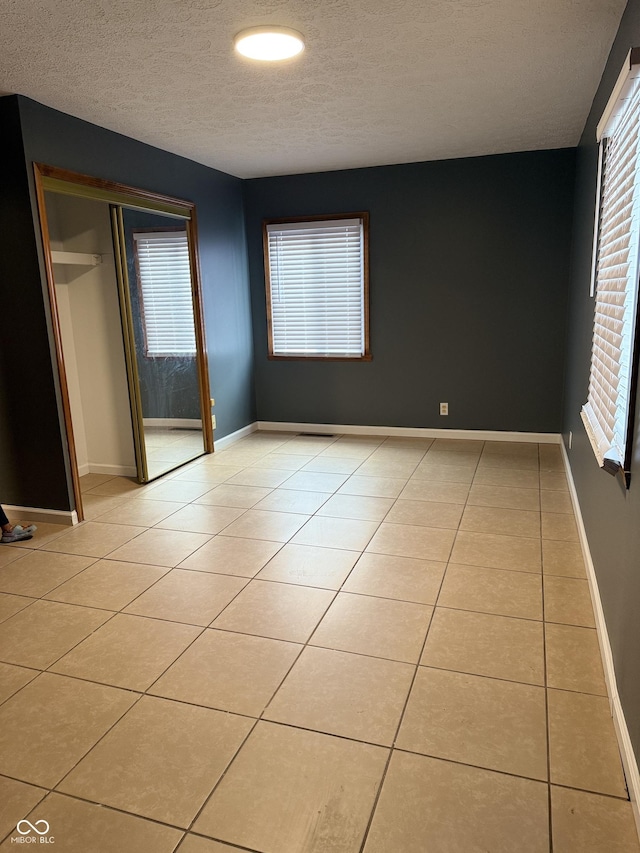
37,133
32,465
611,514
469,271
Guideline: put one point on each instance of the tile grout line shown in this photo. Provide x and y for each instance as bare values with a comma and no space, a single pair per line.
141,694
306,644
260,718
88,801
275,692
116,722
406,702
58,585
210,626
608,796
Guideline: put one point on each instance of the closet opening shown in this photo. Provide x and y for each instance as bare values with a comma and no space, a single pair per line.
122,273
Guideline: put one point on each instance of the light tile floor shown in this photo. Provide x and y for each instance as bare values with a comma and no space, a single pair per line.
310,644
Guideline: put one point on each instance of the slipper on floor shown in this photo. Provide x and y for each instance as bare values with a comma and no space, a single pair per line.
7,538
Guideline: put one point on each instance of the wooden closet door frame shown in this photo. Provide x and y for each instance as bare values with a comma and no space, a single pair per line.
65,182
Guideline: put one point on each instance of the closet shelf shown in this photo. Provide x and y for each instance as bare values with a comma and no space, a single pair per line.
77,258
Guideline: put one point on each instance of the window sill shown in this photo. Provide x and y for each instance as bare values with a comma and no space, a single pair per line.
367,357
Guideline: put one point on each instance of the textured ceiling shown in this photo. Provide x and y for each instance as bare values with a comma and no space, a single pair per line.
381,81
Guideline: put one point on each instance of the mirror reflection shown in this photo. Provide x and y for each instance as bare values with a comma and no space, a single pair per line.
163,327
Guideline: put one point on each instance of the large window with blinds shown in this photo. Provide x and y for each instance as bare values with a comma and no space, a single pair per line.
316,272
164,280
608,412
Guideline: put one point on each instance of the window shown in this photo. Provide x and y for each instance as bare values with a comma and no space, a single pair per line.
607,413
317,287
162,261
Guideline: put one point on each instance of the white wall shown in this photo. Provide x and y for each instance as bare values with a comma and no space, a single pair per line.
71,369
92,337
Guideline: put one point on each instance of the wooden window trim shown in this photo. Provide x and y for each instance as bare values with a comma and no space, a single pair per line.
364,216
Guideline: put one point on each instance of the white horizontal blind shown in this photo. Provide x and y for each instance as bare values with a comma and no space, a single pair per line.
606,411
316,272
165,284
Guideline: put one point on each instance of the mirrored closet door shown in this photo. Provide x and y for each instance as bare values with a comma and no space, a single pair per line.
123,279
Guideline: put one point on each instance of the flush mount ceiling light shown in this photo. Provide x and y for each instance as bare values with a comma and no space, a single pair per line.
269,44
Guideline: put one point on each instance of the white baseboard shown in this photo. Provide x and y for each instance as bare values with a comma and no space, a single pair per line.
629,760
30,513
173,423
113,470
225,441
411,432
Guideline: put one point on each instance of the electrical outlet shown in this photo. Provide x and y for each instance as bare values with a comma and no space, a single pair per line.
570,439
213,421
444,408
